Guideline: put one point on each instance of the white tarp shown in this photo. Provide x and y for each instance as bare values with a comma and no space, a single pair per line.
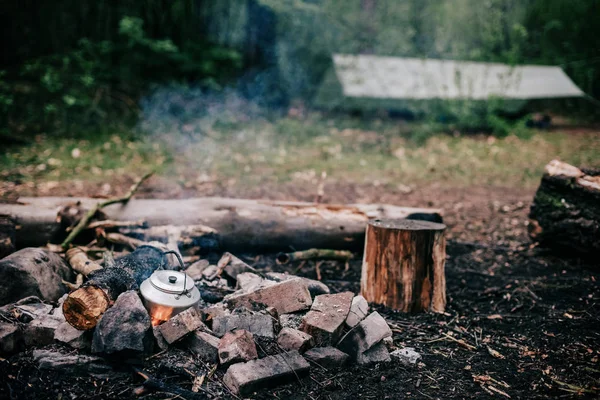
414,78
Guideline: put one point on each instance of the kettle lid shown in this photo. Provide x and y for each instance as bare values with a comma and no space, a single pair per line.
171,281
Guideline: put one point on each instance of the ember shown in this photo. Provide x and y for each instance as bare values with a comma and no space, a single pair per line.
160,314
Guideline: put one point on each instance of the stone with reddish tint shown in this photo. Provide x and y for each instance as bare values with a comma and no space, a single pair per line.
180,325
244,378
369,332
233,266
327,357
358,311
11,338
195,270
377,353
204,345
237,347
326,317
293,339
287,297
314,287
259,324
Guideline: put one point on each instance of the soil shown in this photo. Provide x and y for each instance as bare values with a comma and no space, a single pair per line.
522,322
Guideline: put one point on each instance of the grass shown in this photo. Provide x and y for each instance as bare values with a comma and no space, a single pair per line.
382,152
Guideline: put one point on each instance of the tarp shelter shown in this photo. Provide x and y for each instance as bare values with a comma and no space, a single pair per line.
367,76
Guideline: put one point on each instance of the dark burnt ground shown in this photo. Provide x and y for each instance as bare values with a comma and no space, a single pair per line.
520,320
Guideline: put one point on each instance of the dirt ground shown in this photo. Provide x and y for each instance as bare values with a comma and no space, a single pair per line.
521,322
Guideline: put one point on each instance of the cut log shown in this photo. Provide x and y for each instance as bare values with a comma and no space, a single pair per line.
242,224
84,307
566,209
7,235
403,265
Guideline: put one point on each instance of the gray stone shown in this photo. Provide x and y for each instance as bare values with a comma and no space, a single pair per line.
358,311
34,310
287,297
245,378
290,320
159,340
180,325
204,345
377,353
11,338
210,272
33,272
407,356
327,357
259,324
125,327
389,343
248,282
293,339
75,338
369,332
40,331
237,347
314,287
215,310
325,320
195,270
72,364
233,266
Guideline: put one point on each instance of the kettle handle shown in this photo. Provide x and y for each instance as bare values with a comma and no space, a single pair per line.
182,266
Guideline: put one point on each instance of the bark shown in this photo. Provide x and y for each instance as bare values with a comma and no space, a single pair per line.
79,261
242,224
566,209
84,307
403,265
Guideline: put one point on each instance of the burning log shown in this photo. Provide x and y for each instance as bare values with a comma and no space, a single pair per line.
566,209
84,307
242,224
403,265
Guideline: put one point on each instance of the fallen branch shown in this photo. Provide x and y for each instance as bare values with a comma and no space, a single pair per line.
83,223
311,254
79,261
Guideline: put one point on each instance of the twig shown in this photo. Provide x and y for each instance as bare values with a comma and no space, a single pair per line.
318,269
83,223
343,255
108,223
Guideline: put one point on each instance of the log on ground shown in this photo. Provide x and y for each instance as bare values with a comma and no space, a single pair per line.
403,265
566,209
243,224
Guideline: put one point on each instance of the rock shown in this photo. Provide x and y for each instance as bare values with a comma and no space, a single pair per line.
159,340
326,318
205,346
407,356
368,333
72,364
11,338
236,347
34,310
290,320
33,272
327,357
195,270
125,327
287,297
75,338
210,272
181,324
314,287
259,324
233,266
293,339
249,282
40,331
358,311
245,378
216,310
389,343
377,353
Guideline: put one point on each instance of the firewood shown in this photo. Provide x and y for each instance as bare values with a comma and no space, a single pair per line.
84,307
403,265
311,254
566,209
79,261
84,221
242,224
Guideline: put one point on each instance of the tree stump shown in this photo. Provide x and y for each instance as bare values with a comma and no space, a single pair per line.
403,265
565,213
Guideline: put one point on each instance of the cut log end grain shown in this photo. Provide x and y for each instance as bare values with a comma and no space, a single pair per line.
403,265
84,307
